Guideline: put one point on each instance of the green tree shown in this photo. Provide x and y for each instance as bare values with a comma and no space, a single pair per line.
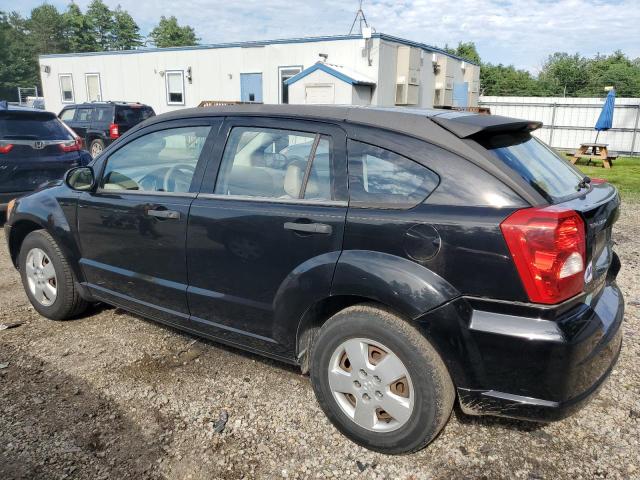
100,19
169,34
77,30
46,30
564,75
126,33
17,68
501,80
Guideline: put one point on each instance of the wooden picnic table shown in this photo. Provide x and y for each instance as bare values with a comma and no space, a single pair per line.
599,151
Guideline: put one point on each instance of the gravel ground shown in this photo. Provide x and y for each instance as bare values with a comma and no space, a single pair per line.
115,396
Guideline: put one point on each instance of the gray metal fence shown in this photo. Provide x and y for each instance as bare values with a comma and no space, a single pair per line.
568,122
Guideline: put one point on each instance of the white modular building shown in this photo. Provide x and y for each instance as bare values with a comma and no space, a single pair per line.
348,69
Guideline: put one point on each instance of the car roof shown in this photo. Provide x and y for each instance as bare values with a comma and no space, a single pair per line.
106,103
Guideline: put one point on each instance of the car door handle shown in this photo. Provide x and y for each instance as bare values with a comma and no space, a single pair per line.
309,227
172,214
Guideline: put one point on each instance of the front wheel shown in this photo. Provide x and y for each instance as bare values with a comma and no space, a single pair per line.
379,381
47,278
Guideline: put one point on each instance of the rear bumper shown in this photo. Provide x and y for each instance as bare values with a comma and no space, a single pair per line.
525,367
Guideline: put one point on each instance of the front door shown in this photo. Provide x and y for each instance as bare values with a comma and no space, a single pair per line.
265,231
133,227
251,87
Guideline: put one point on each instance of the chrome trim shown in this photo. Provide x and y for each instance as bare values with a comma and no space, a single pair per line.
144,192
514,326
521,399
32,143
291,201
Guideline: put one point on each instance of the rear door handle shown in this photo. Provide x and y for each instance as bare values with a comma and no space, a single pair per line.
168,214
309,227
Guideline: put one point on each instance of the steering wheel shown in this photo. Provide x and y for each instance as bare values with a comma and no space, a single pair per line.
182,172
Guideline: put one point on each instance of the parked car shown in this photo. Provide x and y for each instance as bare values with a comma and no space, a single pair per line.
100,123
35,147
405,258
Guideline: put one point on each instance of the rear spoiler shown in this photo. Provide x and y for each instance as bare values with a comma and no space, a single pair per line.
465,125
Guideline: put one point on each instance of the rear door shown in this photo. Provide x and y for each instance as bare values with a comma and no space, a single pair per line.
82,121
133,227
265,231
35,147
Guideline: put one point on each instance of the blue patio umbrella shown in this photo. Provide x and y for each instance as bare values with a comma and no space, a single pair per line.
605,120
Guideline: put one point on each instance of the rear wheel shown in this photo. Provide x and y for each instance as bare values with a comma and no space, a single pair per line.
47,278
96,147
379,381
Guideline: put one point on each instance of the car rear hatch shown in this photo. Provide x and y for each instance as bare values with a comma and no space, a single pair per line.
128,116
35,147
564,187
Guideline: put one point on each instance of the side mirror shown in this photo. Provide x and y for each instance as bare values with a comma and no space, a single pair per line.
80,178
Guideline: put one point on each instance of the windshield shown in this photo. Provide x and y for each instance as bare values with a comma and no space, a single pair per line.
20,126
536,163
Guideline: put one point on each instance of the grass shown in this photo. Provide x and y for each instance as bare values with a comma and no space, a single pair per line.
625,175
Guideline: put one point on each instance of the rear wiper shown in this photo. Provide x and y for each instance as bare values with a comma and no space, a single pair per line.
584,183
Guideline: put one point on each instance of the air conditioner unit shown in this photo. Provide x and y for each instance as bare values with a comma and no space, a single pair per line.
408,75
443,98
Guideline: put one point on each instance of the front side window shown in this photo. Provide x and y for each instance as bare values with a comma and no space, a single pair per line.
175,87
67,115
274,163
380,178
163,161
66,88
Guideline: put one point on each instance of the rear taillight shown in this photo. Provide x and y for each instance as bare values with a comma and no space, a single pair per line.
72,145
5,147
114,132
548,248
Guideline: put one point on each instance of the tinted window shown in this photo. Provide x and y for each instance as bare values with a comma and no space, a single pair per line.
163,161
536,163
32,127
103,114
378,177
273,163
67,115
133,115
83,115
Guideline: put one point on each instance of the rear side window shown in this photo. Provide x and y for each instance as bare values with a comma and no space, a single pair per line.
536,163
103,114
274,163
32,127
380,178
84,115
133,115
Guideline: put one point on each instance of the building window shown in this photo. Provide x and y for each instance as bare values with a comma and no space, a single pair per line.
175,87
66,88
94,89
285,73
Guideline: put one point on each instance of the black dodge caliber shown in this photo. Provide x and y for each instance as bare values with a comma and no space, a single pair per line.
406,259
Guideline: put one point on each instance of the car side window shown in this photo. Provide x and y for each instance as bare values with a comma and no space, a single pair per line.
83,115
162,161
67,115
275,163
381,178
102,114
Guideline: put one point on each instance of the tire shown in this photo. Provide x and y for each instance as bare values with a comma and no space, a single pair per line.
66,302
96,147
423,398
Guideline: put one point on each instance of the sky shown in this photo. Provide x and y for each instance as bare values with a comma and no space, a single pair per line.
518,32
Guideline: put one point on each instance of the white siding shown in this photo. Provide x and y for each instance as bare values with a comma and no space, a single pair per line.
574,119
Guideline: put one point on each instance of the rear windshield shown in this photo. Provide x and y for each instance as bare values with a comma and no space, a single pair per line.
133,115
536,163
20,126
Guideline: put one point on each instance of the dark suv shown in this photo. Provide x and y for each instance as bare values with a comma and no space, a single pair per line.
405,258
35,148
100,123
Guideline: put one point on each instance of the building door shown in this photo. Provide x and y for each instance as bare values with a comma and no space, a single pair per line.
460,94
94,93
319,94
251,87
